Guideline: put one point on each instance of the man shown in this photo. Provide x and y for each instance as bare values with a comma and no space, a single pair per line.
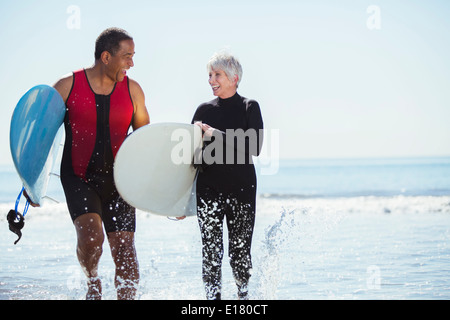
102,103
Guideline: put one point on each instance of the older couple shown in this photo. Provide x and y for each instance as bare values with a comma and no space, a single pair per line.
102,102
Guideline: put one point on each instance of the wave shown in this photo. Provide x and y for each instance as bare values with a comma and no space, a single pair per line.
353,194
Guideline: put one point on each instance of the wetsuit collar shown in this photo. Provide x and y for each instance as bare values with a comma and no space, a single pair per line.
228,101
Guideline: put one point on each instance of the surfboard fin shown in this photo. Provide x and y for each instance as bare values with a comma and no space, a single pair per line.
50,198
14,225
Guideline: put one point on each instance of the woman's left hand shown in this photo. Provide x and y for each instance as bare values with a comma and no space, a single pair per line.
208,130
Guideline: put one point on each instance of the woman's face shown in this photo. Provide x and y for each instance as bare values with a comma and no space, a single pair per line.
222,86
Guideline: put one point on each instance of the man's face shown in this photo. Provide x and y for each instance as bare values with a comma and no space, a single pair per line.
122,61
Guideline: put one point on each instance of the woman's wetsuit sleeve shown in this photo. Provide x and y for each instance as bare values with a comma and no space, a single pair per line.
198,113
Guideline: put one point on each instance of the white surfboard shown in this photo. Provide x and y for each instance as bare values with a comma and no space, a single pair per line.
153,169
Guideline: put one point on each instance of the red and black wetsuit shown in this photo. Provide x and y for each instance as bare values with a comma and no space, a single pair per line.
96,125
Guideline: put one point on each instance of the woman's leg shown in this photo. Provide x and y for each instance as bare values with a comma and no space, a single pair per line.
210,220
240,222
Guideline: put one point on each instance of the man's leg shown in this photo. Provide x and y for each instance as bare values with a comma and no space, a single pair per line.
90,237
124,255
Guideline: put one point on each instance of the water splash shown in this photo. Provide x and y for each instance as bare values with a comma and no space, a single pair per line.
299,232
275,236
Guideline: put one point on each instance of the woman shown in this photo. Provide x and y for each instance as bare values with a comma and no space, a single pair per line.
226,184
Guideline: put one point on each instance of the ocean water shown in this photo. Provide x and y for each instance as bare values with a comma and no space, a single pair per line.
325,229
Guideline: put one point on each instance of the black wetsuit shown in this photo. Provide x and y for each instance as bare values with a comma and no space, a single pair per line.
226,187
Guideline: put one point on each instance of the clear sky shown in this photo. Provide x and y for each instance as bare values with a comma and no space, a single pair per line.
337,78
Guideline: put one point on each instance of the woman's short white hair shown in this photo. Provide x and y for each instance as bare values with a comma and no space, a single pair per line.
228,63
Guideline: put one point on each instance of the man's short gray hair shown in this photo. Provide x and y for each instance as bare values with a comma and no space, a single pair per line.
228,63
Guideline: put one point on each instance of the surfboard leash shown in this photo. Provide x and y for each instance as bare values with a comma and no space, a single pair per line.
15,219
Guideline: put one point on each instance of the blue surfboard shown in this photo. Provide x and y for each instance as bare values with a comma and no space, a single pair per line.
35,137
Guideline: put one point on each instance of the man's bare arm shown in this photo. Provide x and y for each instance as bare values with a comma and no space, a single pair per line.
141,117
64,85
